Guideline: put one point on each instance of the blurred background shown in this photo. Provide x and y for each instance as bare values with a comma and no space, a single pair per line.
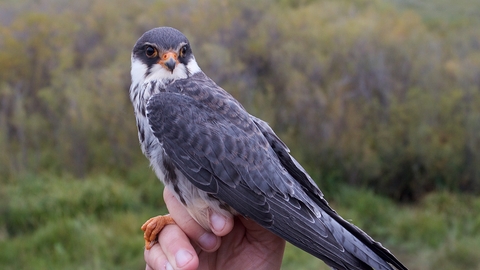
378,99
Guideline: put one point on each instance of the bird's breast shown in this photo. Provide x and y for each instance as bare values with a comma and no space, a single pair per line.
198,202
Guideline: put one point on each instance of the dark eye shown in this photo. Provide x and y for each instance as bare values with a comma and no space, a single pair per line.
183,51
150,51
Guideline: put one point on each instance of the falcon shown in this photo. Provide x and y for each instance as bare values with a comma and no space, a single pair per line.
216,157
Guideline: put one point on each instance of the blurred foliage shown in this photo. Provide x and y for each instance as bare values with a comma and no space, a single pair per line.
368,93
438,233
28,208
383,96
51,222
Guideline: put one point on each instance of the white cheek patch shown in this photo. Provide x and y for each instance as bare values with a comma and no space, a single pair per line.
192,66
138,71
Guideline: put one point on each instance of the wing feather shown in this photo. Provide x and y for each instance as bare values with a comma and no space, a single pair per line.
238,159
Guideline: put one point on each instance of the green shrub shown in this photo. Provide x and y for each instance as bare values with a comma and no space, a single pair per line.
34,201
364,92
65,223
458,254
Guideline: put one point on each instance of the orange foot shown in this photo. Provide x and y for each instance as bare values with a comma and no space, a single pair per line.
152,228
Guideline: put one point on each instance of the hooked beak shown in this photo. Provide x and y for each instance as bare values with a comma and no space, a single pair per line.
169,60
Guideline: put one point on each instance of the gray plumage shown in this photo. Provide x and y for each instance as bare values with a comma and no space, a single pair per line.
214,155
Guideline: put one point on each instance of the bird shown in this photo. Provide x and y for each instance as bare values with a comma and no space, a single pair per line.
216,157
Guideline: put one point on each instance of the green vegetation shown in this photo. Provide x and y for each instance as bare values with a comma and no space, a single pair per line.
386,96
58,223
379,100
53,222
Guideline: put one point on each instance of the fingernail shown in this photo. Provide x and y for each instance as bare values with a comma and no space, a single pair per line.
207,241
218,222
182,257
168,266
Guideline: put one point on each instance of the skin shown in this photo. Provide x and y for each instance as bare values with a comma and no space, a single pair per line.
236,243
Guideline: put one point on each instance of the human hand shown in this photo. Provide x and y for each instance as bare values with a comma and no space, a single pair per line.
236,243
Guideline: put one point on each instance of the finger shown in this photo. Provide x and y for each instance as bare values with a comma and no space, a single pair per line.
220,224
177,248
155,258
206,240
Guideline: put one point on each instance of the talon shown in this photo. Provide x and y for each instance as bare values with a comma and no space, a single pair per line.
153,227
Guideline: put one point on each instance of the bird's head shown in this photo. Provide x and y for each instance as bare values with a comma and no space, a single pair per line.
163,54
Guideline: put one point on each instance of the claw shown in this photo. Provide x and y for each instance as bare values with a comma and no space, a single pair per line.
153,227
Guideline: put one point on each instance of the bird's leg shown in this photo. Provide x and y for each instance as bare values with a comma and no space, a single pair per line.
152,228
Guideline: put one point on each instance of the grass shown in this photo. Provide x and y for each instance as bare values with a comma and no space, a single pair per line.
64,223
94,223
